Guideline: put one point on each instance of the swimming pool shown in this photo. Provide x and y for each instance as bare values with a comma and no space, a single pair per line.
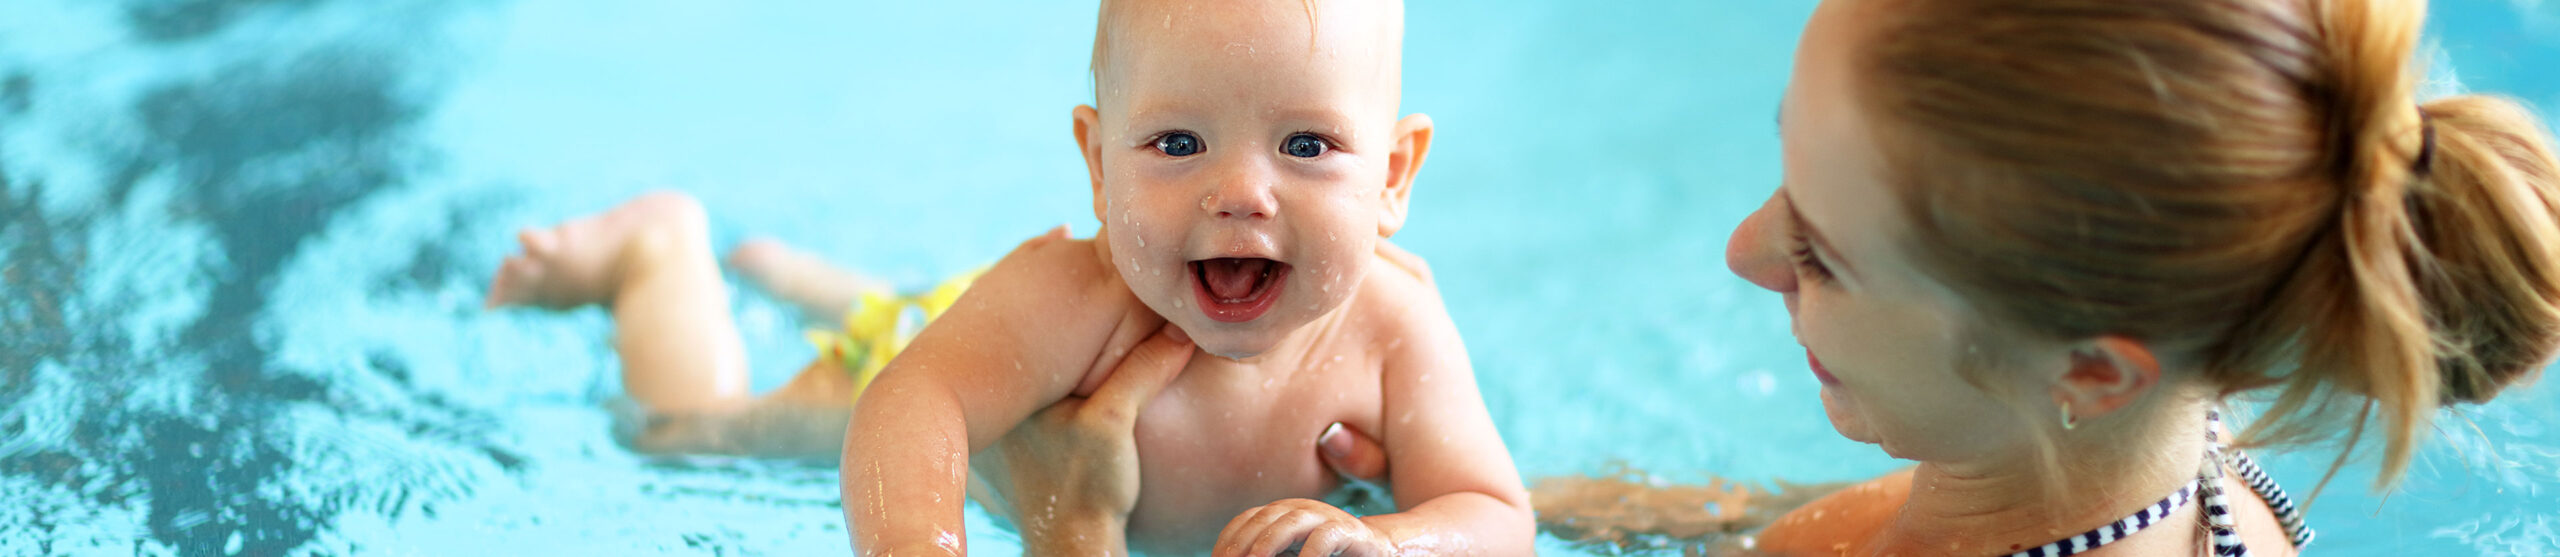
245,243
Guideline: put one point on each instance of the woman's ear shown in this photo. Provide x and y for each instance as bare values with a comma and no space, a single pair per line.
2106,375
1089,143
1413,142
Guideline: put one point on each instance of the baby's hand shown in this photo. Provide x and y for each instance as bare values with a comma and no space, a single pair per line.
1301,527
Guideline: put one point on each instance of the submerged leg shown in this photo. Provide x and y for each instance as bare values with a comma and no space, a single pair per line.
805,419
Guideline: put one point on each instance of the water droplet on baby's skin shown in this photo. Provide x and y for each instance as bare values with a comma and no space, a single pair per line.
947,540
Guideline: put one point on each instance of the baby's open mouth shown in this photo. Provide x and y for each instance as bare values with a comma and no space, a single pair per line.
1235,290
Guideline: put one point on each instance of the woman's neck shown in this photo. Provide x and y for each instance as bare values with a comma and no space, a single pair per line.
2011,503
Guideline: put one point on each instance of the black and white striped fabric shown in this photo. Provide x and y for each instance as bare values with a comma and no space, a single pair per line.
2275,497
2223,527
2110,533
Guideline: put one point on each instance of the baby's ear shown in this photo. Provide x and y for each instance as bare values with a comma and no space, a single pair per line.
1089,144
1413,142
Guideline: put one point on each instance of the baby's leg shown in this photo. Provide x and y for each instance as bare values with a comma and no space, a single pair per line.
822,292
650,261
804,419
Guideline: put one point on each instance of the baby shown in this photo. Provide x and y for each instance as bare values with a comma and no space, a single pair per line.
1247,165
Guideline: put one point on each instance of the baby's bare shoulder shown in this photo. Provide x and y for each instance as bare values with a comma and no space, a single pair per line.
1053,292
1401,301
1052,264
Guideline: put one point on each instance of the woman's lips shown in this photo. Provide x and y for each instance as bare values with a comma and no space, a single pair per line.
1819,374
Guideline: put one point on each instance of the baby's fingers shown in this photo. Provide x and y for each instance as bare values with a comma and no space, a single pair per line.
1234,539
1286,532
1344,539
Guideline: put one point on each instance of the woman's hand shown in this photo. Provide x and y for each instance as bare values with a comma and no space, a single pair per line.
1074,466
1352,455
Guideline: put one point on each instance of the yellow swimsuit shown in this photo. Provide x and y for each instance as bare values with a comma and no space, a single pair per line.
875,329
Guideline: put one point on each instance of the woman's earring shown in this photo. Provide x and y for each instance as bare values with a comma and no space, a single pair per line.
2068,421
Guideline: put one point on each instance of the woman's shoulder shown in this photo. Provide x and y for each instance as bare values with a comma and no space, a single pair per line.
1839,521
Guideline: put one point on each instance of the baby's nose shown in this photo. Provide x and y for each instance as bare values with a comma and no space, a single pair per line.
1246,196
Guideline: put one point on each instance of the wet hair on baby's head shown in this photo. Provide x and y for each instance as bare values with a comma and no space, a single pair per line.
1115,12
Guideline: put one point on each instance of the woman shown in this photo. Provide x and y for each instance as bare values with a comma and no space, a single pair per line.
2035,245
2091,222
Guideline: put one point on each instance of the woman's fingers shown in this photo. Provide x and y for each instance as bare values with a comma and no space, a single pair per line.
1352,454
1148,368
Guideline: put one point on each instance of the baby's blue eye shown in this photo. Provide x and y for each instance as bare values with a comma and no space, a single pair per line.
1178,144
1305,146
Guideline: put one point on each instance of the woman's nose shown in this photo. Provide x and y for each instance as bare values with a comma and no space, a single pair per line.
1244,192
1757,250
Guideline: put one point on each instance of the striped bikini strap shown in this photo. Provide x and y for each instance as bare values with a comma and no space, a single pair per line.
2118,530
2219,522
2287,515
2223,527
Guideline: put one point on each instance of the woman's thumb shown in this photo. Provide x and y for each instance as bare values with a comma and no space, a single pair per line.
1143,373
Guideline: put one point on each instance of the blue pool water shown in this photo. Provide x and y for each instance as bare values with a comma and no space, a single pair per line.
246,240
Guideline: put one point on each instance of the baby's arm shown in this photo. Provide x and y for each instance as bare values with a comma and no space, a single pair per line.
1449,471
1448,468
1024,335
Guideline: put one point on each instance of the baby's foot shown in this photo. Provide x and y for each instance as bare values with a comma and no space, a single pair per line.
583,261
820,290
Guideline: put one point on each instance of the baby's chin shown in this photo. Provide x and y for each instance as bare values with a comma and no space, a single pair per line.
1235,345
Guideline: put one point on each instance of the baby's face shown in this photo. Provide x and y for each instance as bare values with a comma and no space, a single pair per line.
1245,169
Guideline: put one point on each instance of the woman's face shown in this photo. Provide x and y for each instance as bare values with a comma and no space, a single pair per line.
1885,340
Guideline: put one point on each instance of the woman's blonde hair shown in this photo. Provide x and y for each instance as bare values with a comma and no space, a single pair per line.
2249,184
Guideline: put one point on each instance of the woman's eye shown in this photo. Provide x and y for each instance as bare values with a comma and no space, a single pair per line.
1178,144
1304,146
1808,263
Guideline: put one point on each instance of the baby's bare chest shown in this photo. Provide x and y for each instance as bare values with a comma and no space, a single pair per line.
1227,437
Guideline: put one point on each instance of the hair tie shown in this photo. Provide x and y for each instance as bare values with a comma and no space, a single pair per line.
2426,145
